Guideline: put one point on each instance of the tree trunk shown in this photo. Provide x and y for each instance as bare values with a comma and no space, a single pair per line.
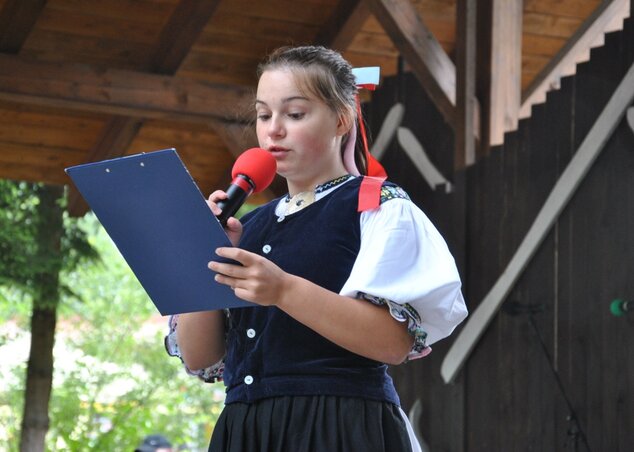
39,374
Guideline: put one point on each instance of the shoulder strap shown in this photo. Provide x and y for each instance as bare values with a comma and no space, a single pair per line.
370,193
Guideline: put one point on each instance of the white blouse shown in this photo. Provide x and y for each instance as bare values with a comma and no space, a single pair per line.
404,259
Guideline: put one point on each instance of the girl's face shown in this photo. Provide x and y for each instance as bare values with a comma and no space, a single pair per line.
301,131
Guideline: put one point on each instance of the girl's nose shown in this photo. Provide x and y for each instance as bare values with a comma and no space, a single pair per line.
276,127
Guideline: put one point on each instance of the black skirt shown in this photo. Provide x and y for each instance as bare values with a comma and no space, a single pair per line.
311,424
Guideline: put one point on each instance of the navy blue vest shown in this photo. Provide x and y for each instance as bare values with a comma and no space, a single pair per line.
271,354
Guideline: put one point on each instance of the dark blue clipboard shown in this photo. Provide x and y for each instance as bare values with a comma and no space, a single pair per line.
159,220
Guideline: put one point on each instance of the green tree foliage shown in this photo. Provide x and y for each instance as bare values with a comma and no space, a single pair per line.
113,382
18,213
18,228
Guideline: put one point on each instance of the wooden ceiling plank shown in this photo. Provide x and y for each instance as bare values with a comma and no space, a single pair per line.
32,173
180,33
81,25
113,91
379,45
506,68
37,163
424,54
569,8
146,11
548,25
465,118
55,46
344,24
223,45
593,27
227,22
16,21
45,155
304,12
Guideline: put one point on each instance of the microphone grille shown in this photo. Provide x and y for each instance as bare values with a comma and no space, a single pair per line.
258,165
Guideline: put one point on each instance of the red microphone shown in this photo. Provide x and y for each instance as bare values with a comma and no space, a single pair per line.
252,172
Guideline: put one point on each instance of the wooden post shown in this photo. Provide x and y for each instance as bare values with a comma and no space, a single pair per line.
506,68
465,118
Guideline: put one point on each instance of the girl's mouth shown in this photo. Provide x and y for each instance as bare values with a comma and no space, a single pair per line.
278,151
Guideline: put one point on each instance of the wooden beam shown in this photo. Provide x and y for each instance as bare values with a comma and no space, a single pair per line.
16,21
120,92
506,68
422,52
465,120
180,33
115,139
570,54
484,19
343,25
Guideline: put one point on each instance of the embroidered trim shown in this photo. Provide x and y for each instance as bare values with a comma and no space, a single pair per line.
333,183
209,374
392,192
326,185
405,313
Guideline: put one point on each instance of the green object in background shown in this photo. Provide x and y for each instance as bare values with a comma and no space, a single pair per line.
620,307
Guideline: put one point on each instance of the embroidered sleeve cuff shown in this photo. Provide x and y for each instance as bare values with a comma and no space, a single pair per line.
209,374
405,313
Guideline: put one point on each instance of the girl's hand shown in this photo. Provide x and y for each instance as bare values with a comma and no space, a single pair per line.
258,280
233,227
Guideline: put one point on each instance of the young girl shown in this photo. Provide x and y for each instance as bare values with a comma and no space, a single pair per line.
338,294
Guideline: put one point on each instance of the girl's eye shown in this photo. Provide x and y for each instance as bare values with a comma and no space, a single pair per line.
296,115
263,116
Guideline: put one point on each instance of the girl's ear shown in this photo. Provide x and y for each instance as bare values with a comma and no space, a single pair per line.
344,124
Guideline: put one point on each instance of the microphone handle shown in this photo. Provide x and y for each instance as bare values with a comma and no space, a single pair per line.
235,198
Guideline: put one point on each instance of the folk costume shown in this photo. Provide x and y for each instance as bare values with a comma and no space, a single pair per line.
391,256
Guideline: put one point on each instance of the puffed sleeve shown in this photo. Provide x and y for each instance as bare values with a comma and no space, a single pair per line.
404,261
210,374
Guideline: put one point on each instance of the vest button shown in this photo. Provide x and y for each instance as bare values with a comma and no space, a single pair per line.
266,249
251,333
248,379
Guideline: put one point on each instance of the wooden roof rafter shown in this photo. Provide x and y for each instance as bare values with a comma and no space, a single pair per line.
17,19
422,51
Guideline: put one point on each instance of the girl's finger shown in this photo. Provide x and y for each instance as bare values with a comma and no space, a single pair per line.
246,258
230,270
